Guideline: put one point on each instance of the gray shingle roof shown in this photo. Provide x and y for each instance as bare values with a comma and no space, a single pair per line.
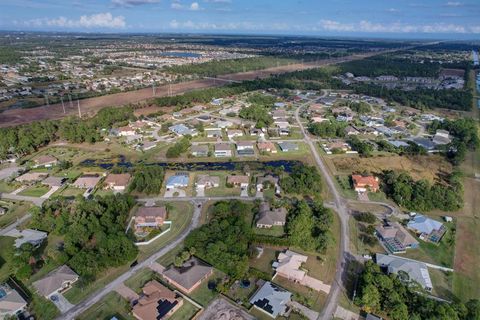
271,299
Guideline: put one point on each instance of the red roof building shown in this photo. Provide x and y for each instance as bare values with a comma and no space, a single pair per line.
364,184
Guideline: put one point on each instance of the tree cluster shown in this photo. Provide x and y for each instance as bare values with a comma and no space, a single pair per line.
93,231
257,113
421,195
328,129
178,148
302,180
147,179
363,148
388,296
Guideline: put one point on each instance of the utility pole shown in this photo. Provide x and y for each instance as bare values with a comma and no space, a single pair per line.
71,104
153,88
79,111
63,106
46,98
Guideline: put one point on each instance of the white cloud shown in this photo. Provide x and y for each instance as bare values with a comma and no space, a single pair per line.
454,4
131,3
99,20
194,6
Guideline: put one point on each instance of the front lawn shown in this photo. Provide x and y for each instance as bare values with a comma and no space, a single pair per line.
275,231
15,210
43,308
35,191
6,254
111,305
203,295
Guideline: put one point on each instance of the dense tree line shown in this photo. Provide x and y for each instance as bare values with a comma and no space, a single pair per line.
388,296
147,179
328,129
224,241
363,148
257,113
308,226
411,149
93,231
388,65
27,138
178,148
421,195
302,180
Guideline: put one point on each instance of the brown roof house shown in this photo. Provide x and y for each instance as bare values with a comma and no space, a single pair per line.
149,217
117,181
45,161
31,177
157,302
57,281
238,181
267,146
365,183
395,238
189,276
268,217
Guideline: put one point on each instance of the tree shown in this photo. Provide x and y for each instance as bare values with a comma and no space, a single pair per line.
302,180
147,179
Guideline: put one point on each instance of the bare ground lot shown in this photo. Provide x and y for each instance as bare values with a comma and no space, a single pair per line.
91,105
419,167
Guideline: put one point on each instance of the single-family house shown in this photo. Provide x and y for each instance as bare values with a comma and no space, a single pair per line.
54,181
157,302
31,177
34,237
234,133
266,146
152,217
205,181
281,123
182,130
351,131
269,217
11,302
316,108
363,184
427,228
199,150
45,161
407,270
427,144
189,276
223,124
57,281
395,237
178,180
256,132
117,181
271,299
238,181
279,114
87,181
222,150
213,132
288,265
319,119
245,148
442,137
268,179
125,131
287,146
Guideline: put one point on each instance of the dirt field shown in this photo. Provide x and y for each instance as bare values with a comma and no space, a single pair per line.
90,106
419,167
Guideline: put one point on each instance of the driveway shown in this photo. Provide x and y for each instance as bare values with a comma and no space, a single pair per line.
50,192
200,192
61,303
171,193
244,192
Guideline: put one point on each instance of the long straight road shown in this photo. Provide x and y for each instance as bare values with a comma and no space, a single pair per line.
341,209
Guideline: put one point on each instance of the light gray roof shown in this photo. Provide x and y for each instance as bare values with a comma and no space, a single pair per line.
189,274
55,280
26,236
417,271
268,216
271,299
423,224
288,145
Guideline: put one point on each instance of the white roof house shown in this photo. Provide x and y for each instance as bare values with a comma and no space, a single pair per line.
31,236
288,265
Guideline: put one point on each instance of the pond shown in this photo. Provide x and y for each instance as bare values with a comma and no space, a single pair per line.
120,161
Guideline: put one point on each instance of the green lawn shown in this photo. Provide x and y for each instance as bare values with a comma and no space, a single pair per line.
70,192
111,305
35,191
6,253
202,294
138,280
264,263
222,190
275,231
186,311
7,187
43,308
442,283
15,211
237,293
168,258
302,294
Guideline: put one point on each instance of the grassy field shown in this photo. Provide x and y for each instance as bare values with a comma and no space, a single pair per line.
203,295
138,280
111,305
264,262
7,187
70,192
16,210
357,245
6,253
302,294
442,283
43,308
186,311
181,215
35,191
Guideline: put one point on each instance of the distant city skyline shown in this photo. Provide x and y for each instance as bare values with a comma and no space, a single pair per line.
368,18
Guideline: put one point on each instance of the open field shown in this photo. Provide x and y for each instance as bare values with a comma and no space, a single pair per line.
419,167
111,305
91,105
35,191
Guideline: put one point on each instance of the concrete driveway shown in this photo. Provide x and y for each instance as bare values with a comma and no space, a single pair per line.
50,192
200,192
244,192
171,193
61,303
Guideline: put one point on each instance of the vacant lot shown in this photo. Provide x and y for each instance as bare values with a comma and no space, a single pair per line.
111,305
419,167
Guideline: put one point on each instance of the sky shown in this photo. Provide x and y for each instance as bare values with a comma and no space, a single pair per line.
373,18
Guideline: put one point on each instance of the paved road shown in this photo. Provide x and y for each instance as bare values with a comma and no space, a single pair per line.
36,201
98,295
155,199
341,209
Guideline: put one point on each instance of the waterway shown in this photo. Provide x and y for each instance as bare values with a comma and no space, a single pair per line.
178,54
475,57
107,164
